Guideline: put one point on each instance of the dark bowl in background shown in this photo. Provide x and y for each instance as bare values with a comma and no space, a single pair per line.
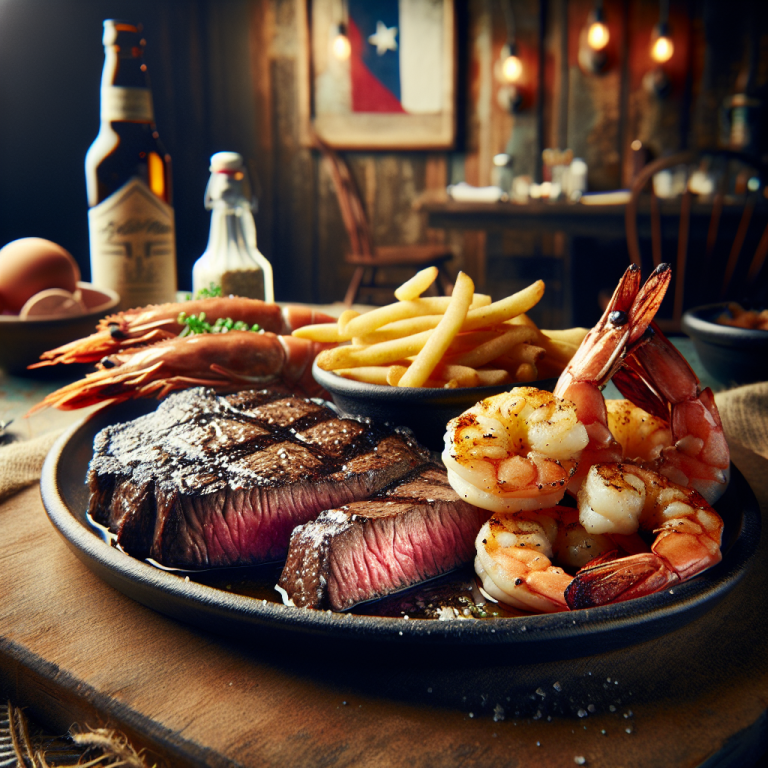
733,356
426,411
23,341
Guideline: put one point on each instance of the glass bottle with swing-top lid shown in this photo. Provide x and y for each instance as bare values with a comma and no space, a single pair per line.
232,261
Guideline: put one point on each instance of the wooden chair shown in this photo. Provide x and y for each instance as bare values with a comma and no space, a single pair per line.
364,256
721,237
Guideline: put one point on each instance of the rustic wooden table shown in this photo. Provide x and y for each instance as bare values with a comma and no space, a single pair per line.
606,221
74,650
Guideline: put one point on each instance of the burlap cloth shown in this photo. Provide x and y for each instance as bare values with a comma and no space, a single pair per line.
21,463
744,412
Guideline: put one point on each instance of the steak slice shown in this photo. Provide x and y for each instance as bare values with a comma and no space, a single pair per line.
211,481
413,530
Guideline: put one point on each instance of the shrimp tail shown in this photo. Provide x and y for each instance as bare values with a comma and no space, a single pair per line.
660,380
620,330
619,579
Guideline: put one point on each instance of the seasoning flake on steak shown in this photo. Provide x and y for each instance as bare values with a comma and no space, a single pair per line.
415,529
209,480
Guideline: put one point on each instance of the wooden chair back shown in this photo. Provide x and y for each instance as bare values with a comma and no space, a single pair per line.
350,203
726,263
368,260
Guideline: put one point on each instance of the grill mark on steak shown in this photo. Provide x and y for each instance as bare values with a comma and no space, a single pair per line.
210,480
415,529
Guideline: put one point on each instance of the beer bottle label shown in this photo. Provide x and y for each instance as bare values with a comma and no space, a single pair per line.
133,246
132,104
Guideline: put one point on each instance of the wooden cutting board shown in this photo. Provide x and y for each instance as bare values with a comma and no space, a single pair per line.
75,651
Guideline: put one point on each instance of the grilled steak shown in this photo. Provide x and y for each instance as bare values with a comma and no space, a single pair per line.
210,481
415,529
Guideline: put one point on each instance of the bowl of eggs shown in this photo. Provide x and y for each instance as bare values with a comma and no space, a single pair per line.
43,302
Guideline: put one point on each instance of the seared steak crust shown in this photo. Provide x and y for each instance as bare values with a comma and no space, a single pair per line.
210,480
415,529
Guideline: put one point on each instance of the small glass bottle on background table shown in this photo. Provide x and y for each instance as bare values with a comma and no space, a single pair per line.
128,180
231,262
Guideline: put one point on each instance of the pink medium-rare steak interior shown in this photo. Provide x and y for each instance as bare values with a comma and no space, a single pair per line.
415,529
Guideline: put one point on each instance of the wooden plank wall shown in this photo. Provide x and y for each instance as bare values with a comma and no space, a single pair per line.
596,115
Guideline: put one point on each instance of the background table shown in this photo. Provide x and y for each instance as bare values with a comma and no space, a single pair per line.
73,650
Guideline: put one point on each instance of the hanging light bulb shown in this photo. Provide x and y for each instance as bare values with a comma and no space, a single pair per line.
511,65
593,41
509,69
341,46
657,80
662,47
597,34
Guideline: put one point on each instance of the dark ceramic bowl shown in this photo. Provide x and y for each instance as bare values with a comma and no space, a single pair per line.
23,341
731,355
425,411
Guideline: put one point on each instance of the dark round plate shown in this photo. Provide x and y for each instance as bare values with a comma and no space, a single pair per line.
541,637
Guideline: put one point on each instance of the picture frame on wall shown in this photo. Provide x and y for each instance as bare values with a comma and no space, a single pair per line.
395,89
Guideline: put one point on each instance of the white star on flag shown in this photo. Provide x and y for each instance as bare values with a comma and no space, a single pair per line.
384,38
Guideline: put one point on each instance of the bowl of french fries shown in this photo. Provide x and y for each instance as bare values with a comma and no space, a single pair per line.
423,360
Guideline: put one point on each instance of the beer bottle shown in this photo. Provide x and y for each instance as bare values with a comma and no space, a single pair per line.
128,181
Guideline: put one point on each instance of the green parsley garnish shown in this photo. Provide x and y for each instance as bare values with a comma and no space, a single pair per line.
212,292
195,324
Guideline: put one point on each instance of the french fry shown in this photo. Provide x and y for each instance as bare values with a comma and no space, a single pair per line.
395,373
465,342
524,352
573,336
376,318
371,374
559,351
462,375
499,311
325,332
522,319
354,356
413,288
490,350
405,327
526,372
493,377
440,339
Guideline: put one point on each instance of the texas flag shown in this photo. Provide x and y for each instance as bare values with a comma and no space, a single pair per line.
397,54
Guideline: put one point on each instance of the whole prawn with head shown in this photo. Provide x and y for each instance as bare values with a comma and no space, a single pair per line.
519,451
682,433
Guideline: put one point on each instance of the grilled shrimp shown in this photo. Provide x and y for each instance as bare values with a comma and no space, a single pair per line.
516,553
143,326
514,451
222,361
517,451
619,498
